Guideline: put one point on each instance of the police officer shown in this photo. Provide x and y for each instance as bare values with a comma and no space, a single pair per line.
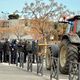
25,50
21,53
6,49
13,51
29,48
30,56
1,51
34,50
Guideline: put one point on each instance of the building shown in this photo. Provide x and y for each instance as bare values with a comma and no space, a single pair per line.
4,23
16,22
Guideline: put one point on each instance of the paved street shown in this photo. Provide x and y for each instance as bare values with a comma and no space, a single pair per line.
15,73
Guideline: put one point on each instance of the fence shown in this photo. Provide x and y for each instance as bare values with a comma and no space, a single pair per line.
74,71
29,63
74,67
40,64
9,57
54,68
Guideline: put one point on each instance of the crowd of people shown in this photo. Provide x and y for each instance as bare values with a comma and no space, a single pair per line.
17,49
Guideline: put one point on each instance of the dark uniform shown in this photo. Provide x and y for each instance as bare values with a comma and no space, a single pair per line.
1,51
21,53
13,48
6,49
25,50
29,48
34,50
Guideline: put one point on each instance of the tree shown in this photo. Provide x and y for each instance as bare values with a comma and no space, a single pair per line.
41,10
19,31
4,32
41,28
41,13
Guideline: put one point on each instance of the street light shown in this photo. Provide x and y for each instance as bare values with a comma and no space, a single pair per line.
51,37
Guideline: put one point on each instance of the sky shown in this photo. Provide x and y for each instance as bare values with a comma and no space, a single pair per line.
73,5
9,6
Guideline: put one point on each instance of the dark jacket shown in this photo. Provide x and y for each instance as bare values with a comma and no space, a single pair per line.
6,46
29,47
20,47
1,46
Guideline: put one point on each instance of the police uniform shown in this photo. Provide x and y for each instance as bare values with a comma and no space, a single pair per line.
21,53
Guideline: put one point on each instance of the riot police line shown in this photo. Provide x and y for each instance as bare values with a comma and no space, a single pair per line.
16,51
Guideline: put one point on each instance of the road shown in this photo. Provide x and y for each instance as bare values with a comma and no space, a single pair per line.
16,73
